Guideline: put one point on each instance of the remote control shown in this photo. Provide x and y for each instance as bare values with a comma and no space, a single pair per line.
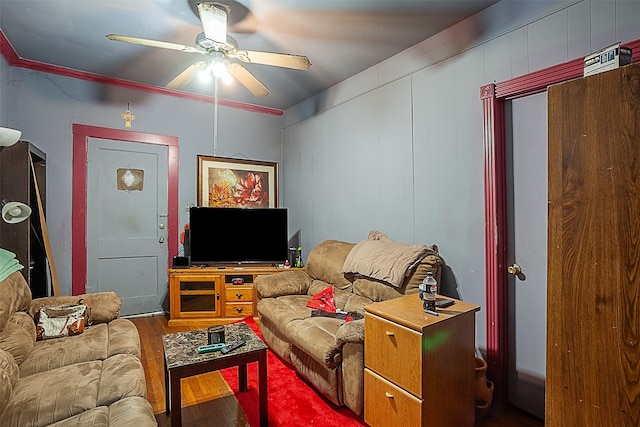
211,347
232,346
444,303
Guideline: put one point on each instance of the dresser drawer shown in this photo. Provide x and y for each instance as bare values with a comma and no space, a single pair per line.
388,405
237,294
238,309
395,352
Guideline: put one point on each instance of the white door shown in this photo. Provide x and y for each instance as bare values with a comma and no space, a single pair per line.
526,132
127,193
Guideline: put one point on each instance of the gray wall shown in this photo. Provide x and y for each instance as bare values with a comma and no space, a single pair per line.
4,99
45,107
398,148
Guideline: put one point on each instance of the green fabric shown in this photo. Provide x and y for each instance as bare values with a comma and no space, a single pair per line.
8,264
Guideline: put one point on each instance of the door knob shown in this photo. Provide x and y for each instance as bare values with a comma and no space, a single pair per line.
514,269
161,240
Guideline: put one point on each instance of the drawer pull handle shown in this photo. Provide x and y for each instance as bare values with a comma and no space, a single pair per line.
239,295
390,334
239,309
389,395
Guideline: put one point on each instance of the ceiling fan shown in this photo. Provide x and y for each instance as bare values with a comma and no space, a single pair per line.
219,48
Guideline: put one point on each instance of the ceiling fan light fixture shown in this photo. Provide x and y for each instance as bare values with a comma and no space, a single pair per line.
216,68
205,75
214,21
220,70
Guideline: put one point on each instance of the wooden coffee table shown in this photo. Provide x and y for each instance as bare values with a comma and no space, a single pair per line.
181,359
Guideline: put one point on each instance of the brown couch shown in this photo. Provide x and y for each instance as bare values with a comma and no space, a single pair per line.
327,351
92,379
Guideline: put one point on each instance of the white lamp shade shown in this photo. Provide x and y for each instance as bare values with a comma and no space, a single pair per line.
14,212
9,136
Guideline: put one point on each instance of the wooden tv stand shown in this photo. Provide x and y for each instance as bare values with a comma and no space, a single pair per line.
207,294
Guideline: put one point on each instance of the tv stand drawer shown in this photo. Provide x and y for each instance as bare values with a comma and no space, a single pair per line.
238,309
238,294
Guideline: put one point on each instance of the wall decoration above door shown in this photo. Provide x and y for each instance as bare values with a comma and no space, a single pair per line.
226,182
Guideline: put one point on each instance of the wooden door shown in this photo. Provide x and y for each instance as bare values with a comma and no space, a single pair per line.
593,341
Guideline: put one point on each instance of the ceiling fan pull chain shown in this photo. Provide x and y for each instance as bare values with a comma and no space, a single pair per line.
215,114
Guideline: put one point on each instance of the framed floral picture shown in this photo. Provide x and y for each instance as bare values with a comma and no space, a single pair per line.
228,183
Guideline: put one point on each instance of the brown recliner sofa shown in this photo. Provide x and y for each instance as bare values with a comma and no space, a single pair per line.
95,378
328,351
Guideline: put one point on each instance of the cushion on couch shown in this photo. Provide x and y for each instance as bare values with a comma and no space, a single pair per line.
325,262
97,342
48,397
287,282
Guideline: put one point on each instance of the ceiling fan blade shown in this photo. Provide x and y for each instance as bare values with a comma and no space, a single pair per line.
187,75
248,80
153,43
286,60
214,21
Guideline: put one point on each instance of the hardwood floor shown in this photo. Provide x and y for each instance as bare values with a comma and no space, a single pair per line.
207,400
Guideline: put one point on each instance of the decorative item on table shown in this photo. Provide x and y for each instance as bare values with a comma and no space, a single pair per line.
293,254
299,263
215,335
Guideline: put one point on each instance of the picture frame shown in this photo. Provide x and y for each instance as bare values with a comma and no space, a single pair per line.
228,182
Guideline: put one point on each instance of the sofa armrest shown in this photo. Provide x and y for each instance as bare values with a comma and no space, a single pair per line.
102,307
350,332
294,282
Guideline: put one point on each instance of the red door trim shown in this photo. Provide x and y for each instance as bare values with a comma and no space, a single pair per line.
81,135
493,97
495,232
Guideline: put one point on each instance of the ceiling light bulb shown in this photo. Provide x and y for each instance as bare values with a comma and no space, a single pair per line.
227,79
218,68
205,75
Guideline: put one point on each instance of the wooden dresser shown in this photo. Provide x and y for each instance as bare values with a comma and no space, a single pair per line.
419,368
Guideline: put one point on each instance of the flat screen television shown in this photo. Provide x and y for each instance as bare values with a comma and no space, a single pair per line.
219,236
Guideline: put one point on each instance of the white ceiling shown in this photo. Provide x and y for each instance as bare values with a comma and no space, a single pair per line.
340,37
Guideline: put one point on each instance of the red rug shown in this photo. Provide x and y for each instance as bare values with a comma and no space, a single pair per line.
292,401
